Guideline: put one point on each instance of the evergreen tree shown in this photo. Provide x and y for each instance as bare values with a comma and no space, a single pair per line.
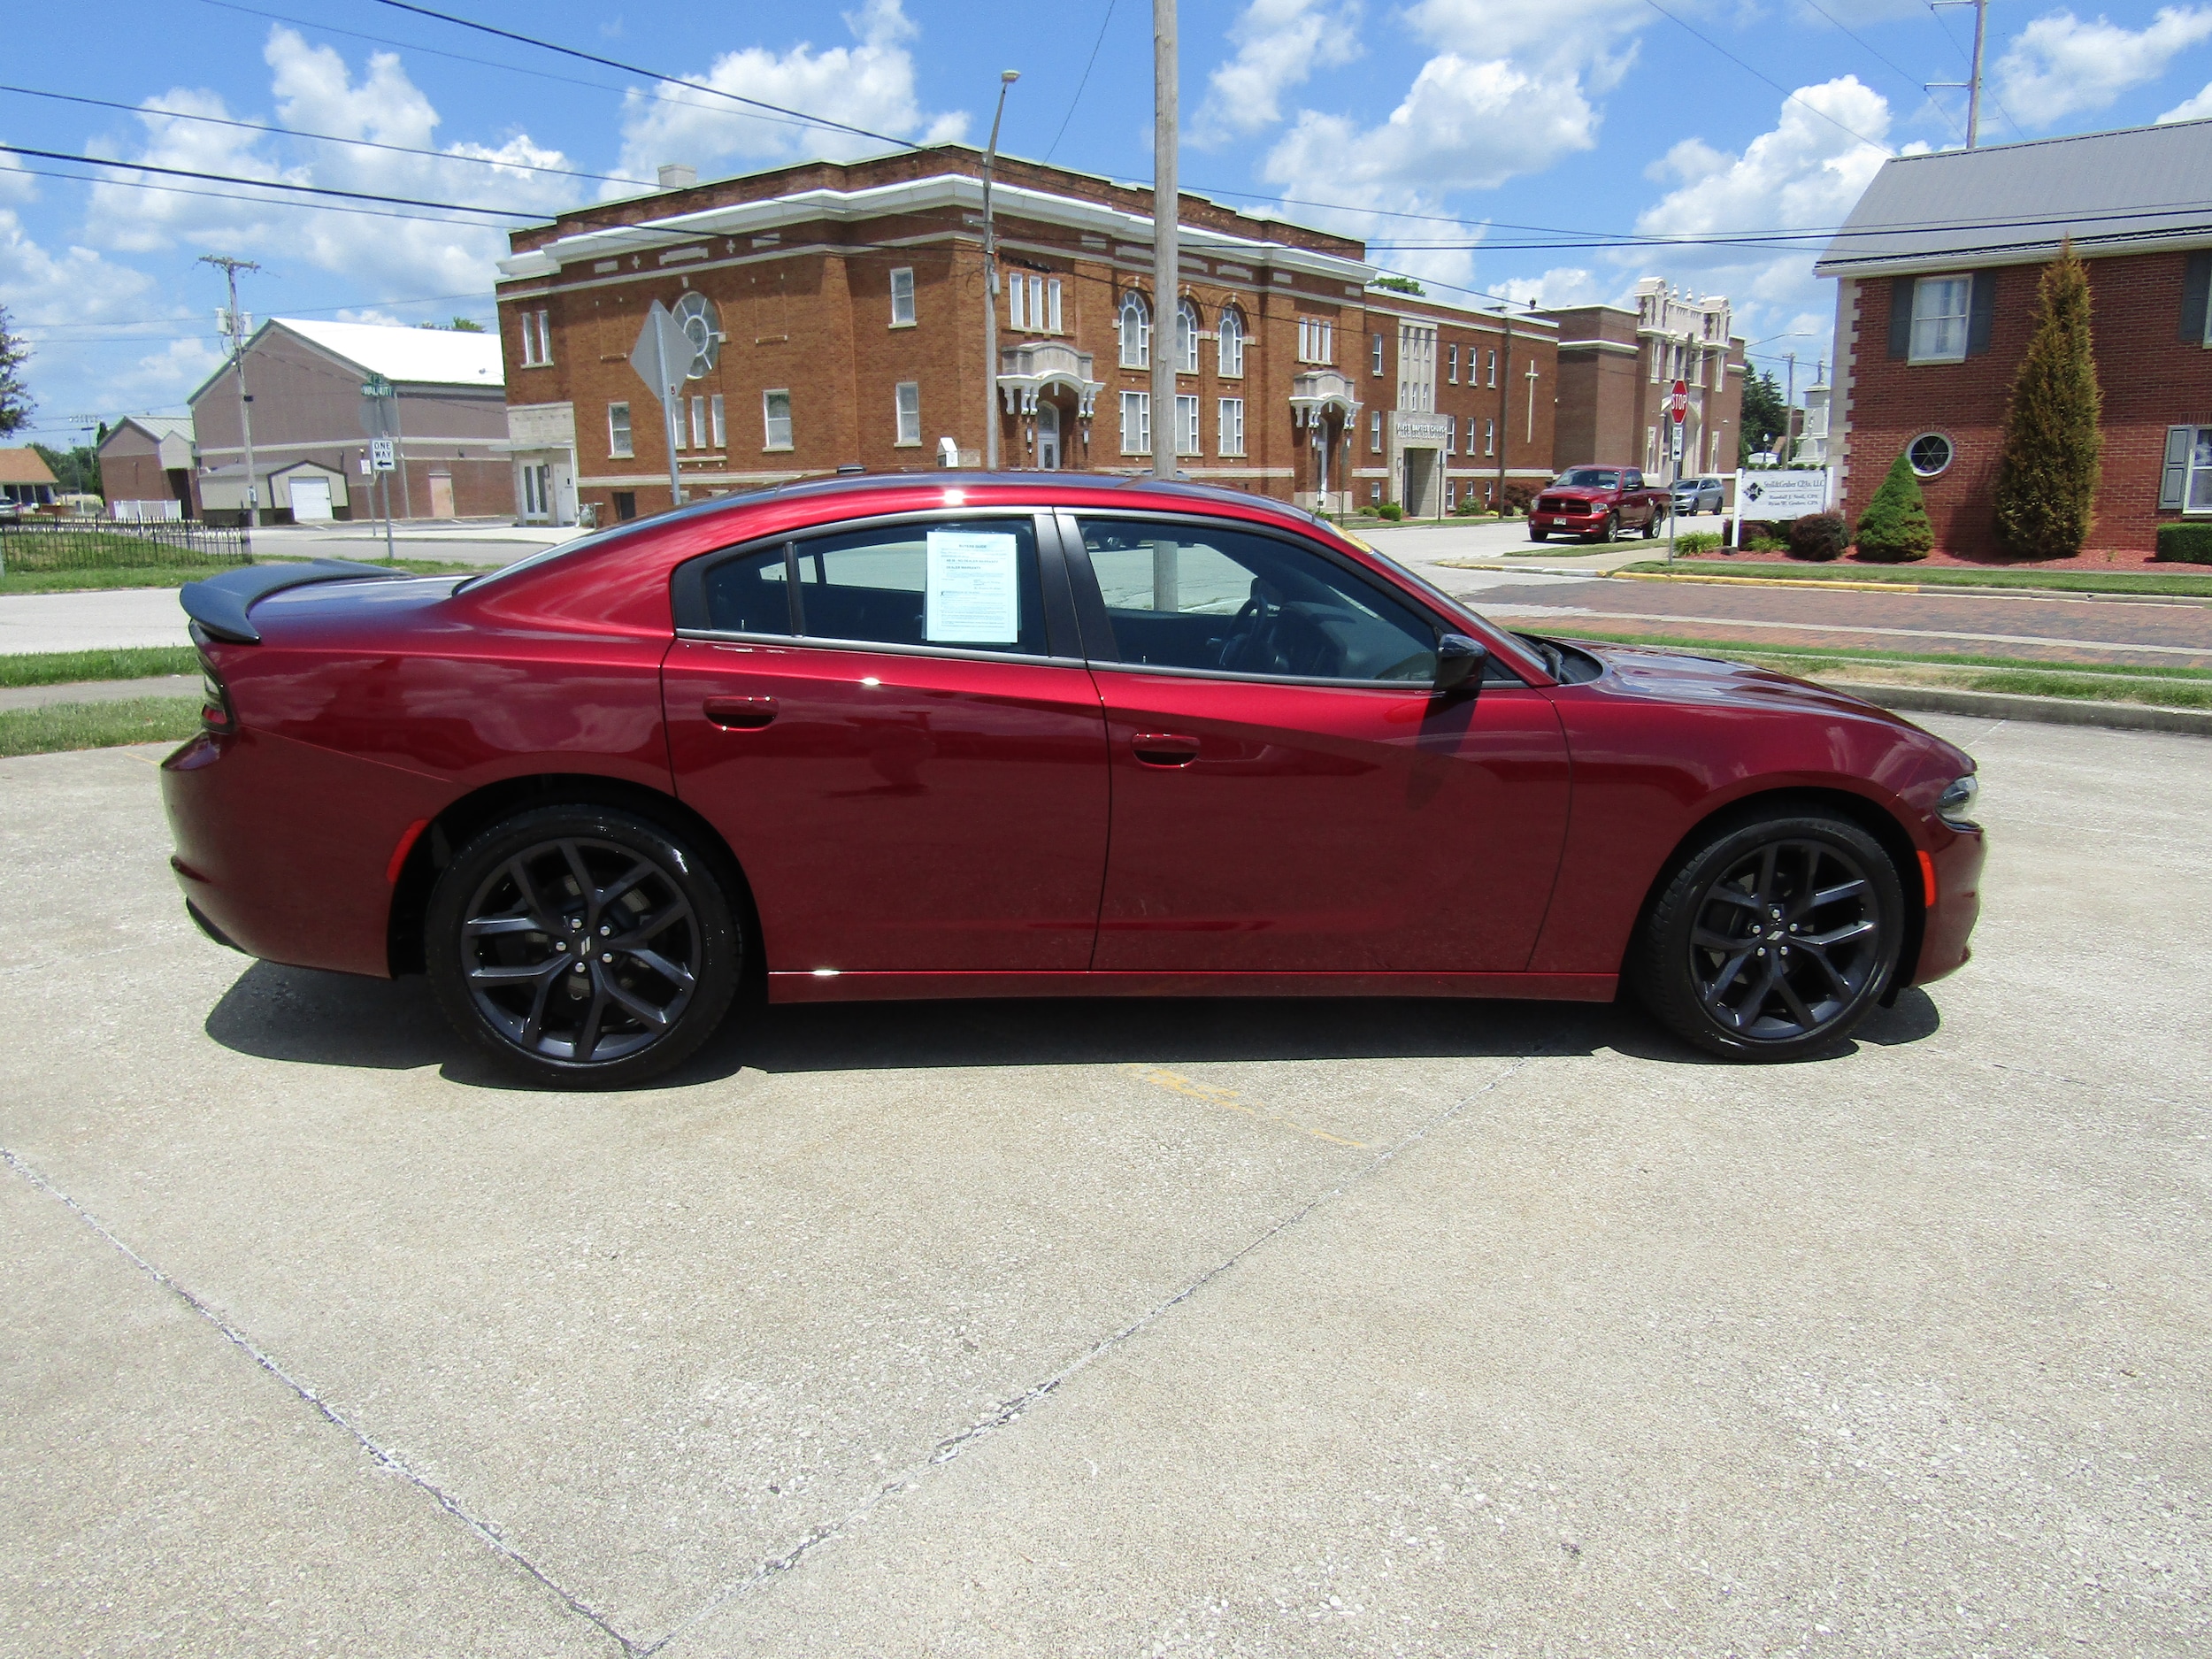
16,402
1895,528
2047,481
1763,416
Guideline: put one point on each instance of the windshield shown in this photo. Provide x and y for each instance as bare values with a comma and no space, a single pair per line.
1591,477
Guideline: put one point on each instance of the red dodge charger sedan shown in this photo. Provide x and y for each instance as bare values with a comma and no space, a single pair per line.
1009,735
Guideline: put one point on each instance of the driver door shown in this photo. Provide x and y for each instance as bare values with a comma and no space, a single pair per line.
1287,795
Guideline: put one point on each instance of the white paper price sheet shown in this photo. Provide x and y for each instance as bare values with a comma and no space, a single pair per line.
974,587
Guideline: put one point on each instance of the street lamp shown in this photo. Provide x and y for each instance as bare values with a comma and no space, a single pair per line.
1006,79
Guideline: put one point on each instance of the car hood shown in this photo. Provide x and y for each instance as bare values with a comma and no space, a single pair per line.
1683,677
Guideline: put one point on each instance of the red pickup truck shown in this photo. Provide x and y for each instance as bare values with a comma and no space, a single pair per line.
1599,502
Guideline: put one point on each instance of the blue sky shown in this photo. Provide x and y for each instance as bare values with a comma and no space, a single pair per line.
1467,138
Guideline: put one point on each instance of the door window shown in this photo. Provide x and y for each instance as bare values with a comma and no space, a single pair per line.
1221,600
964,585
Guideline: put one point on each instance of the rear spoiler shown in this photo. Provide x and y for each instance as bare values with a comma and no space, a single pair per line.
220,603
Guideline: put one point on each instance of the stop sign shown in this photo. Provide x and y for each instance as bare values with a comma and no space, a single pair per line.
1678,406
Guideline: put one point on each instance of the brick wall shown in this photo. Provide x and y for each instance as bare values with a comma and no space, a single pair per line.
2151,379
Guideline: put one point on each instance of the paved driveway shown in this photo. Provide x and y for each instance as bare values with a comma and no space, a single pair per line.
1256,1328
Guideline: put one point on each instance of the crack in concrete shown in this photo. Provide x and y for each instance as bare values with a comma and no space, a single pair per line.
1012,1411
384,1459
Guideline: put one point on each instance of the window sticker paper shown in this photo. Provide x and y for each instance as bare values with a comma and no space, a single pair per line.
974,591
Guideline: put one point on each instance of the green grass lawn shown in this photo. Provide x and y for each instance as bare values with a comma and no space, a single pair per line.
2102,682
61,668
13,581
60,725
2088,580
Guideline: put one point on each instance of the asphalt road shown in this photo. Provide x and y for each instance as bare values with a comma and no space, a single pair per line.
1250,1328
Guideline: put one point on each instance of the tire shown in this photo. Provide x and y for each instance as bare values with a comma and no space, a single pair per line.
1539,535
1651,524
1702,962
503,919
1611,532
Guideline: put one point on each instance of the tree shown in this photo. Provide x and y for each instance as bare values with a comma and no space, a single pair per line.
75,470
1895,528
16,402
1763,416
2047,478
459,325
1398,285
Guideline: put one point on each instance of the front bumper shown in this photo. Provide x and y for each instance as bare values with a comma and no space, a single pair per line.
1947,923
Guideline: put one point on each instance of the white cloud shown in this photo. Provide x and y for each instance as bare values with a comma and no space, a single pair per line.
2196,109
1806,173
1563,285
316,92
1553,32
870,84
1279,45
2059,65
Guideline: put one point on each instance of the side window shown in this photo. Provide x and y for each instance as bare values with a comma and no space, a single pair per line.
1217,598
750,594
973,585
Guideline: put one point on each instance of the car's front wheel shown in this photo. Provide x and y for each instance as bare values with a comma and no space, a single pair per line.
584,947
1610,531
1539,535
1774,938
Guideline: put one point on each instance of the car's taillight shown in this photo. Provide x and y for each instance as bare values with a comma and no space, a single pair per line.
215,713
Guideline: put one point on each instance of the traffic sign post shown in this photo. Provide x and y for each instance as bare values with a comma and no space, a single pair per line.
376,415
1678,412
662,357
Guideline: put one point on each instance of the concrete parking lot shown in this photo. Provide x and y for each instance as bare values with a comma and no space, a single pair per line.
1245,1328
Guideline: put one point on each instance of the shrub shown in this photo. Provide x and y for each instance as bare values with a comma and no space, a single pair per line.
1895,529
1760,541
2185,544
1391,511
1819,536
1517,496
1697,541
2046,479
1472,505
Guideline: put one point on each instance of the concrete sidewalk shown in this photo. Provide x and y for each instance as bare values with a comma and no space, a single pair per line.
105,619
1259,1328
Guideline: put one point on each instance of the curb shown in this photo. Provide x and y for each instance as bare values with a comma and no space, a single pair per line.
2003,705
1817,585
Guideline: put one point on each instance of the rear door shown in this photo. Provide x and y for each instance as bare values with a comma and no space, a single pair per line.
1288,795
908,757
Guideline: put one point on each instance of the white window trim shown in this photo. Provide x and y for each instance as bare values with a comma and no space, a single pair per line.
698,422
900,412
1229,418
1187,340
1138,442
767,422
1963,317
715,411
621,439
1229,346
1134,304
907,322
1187,424
1375,433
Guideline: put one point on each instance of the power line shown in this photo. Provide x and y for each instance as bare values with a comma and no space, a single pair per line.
1902,73
1788,96
651,74
326,138
259,184
1087,65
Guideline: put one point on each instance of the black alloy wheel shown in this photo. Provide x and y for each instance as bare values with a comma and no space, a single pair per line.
583,946
1775,938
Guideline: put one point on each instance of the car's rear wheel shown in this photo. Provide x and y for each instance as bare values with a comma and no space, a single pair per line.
1651,524
1774,938
584,947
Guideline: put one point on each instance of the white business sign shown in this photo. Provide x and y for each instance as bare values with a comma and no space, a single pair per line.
1780,495
383,455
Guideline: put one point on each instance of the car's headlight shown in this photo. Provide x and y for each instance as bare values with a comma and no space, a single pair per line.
1956,805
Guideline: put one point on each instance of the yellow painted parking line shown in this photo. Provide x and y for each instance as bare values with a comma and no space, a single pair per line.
1800,583
1229,1100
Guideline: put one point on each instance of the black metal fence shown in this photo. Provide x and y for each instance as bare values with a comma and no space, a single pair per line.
32,547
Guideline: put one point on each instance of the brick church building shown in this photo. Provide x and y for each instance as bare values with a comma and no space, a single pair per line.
1938,267
836,316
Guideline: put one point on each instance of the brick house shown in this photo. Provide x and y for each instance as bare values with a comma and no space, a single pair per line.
1617,369
1937,270
148,461
311,425
836,312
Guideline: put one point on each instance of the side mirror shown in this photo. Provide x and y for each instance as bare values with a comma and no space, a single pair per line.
1458,660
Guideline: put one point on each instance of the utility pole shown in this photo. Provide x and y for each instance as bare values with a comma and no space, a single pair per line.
1167,265
1006,79
1973,87
1505,390
236,330
1789,410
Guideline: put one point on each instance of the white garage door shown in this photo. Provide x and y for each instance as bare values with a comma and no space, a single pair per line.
311,500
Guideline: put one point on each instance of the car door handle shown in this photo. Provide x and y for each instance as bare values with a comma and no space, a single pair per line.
740,714
1164,748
